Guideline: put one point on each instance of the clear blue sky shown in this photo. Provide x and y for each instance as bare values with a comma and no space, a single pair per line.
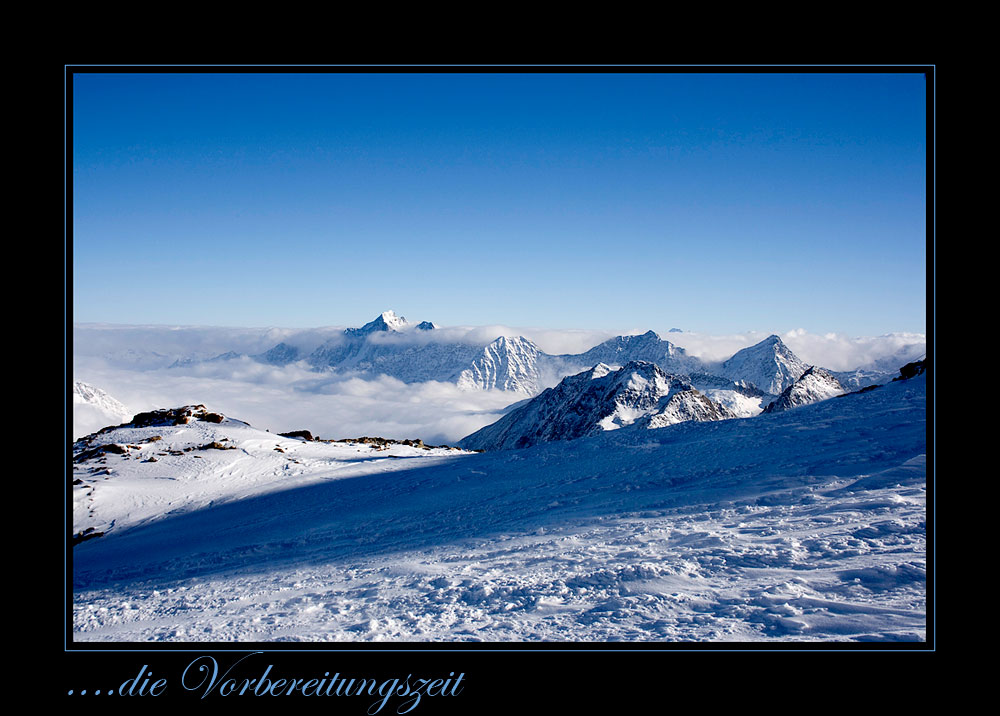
711,202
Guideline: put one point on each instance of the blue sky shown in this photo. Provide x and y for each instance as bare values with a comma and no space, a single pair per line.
710,202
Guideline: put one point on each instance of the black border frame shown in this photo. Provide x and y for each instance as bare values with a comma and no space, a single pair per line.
107,665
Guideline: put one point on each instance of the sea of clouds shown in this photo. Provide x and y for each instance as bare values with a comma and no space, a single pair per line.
147,367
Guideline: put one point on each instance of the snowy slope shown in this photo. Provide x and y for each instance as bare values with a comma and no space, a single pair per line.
812,386
599,399
805,525
152,468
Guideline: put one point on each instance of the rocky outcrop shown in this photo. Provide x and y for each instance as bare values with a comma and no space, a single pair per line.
173,416
912,370
302,434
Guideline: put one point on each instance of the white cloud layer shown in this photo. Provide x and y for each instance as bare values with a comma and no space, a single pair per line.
131,364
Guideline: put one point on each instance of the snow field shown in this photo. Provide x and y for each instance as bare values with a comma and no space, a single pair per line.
803,526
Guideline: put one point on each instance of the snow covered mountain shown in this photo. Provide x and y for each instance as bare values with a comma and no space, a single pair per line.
597,400
646,347
769,365
93,409
356,347
390,345
386,321
812,386
510,364
281,354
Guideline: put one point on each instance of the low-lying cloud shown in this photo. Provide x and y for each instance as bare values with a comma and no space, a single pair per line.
133,365
295,398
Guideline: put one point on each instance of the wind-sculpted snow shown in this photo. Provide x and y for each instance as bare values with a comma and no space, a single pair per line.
595,400
805,525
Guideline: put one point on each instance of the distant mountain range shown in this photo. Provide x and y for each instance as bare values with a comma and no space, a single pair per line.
640,380
390,345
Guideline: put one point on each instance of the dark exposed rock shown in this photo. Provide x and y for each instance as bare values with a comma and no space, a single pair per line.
87,534
384,443
304,434
215,446
101,450
213,417
168,416
912,370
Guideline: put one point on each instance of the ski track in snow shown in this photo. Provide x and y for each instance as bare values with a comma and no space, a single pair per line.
802,526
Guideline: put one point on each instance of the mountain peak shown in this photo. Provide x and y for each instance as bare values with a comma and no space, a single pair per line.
814,385
508,363
770,365
386,321
595,401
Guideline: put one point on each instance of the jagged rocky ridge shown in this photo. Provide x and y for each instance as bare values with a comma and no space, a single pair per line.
638,395
812,386
596,400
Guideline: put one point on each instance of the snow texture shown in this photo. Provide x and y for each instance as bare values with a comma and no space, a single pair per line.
803,525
